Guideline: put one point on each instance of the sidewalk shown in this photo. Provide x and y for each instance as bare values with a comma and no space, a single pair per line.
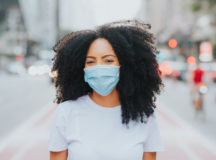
30,141
181,141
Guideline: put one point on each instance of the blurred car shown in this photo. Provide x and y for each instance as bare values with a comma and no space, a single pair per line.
47,55
170,67
179,70
164,55
16,67
174,69
38,68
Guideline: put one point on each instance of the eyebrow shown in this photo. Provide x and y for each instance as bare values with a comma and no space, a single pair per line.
102,57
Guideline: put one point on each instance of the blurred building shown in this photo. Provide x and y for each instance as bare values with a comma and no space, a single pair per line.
168,17
77,15
41,18
175,19
26,27
13,36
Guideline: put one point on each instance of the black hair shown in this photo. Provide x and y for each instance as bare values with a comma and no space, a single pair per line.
135,48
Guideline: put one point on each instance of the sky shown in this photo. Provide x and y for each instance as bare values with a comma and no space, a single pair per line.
84,14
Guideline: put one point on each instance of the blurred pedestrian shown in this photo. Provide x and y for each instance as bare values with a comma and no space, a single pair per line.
199,88
107,80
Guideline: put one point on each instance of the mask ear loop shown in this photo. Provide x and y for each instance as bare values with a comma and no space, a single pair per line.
119,72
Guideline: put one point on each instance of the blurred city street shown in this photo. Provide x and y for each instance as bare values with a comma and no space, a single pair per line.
183,136
21,97
176,97
185,36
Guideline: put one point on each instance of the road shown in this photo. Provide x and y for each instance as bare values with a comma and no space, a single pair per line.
176,97
27,109
181,141
20,98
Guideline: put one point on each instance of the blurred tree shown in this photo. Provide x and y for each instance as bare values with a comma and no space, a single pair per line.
8,3
4,5
207,6
2,16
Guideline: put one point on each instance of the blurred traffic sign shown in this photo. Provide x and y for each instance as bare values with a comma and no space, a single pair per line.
205,51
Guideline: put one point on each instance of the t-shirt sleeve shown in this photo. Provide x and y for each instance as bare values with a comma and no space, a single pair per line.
57,140
154,141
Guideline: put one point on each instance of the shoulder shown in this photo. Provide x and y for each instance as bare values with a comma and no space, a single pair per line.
151,119
69,106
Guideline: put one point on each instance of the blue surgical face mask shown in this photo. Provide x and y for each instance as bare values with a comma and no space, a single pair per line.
102,78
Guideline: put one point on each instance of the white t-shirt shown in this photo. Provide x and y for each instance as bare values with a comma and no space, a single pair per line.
93,132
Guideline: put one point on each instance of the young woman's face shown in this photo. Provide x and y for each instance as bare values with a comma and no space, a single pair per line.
101,52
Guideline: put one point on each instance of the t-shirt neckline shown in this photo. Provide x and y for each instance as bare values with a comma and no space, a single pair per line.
102,108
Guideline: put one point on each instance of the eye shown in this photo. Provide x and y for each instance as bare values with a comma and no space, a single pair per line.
90,62
109,60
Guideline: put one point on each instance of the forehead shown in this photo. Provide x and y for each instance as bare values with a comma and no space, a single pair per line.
100,47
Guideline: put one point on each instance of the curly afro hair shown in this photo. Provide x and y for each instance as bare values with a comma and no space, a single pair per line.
134,46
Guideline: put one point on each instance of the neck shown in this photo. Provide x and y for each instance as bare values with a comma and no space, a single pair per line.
111,100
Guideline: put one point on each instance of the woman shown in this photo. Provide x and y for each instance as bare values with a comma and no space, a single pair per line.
106,83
